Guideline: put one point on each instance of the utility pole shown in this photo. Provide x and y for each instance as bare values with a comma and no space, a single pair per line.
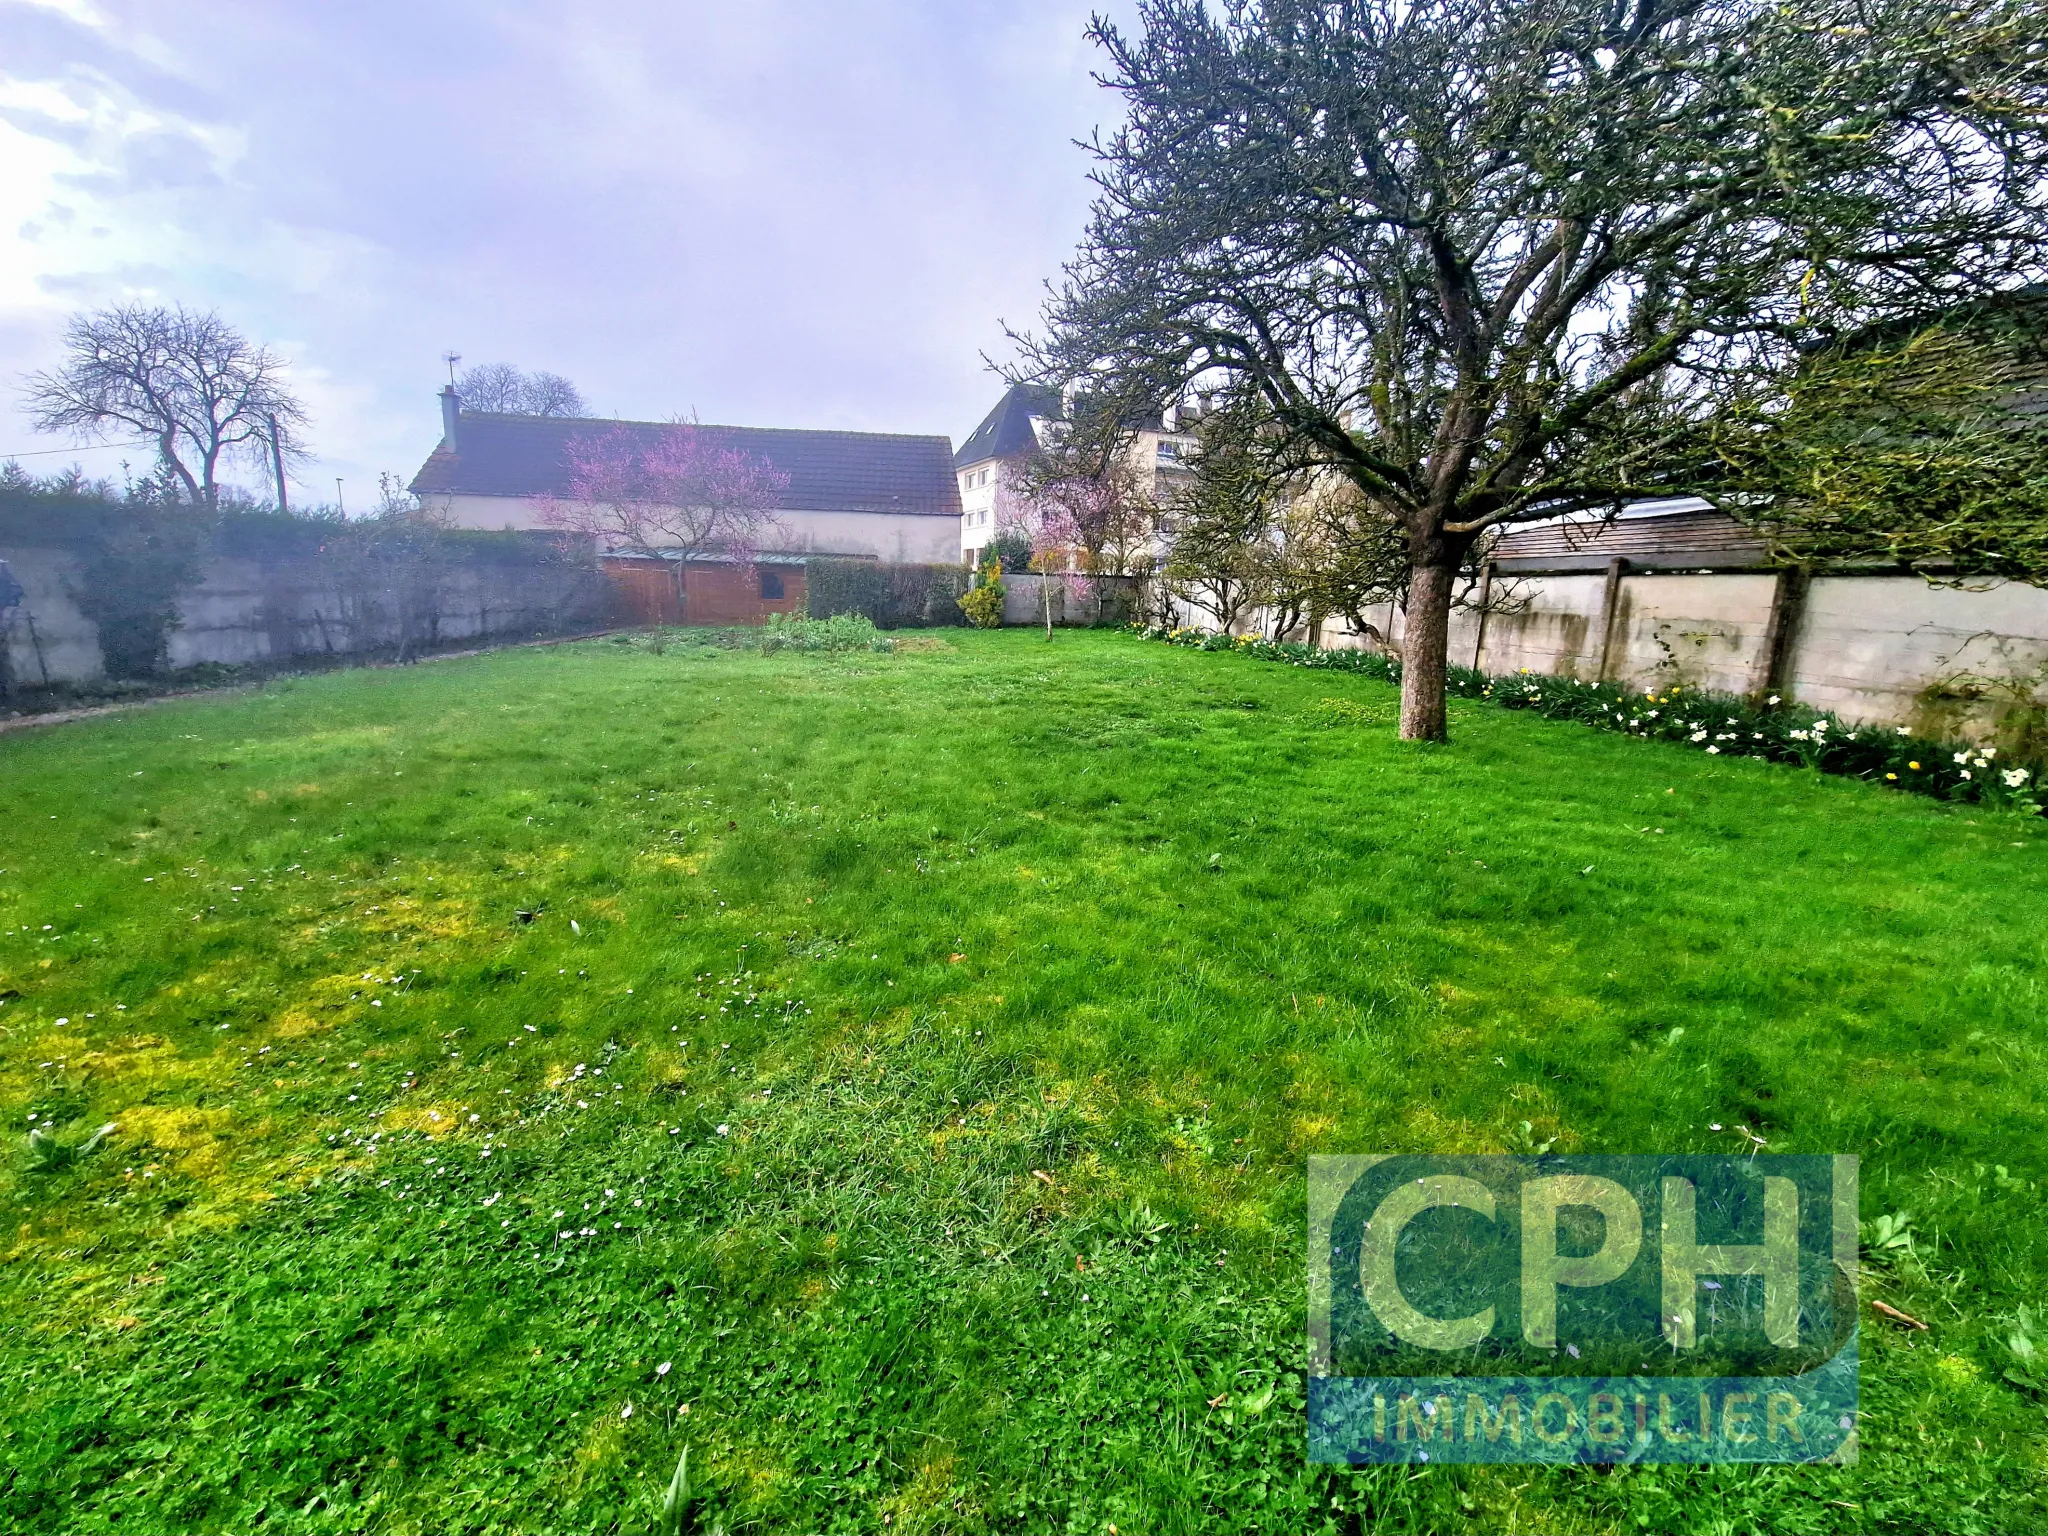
277,464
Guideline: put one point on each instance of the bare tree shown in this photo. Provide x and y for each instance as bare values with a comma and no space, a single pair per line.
1497,260
185,379
501,387
673,493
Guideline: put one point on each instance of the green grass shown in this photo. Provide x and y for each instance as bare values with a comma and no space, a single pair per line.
827,959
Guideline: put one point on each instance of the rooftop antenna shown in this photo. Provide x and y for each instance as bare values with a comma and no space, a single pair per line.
451,359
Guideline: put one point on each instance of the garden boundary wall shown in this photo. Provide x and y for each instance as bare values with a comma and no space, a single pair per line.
1076,600
279,604
1965,663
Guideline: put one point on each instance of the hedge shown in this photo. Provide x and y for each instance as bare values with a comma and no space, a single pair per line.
892,596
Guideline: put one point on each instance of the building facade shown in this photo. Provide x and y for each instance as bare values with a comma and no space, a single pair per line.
863,495
1027,420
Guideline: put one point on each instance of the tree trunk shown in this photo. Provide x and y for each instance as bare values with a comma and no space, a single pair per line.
1425,651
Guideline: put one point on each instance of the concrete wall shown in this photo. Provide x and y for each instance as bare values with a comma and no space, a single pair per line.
245,609
1887,650
1705,631
898,538
1075,600
48,640
1949,662
1952,663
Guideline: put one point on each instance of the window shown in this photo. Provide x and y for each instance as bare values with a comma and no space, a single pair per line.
1169,453
771,585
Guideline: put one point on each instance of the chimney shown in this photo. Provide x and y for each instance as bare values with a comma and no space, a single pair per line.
451,415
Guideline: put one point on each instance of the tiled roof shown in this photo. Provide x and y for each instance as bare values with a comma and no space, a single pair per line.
828,471
1693,534
1006,430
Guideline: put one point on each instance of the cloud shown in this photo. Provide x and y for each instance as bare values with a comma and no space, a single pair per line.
782,213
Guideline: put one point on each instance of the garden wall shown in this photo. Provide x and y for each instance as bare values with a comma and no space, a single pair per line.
1886,650
1075,600
1949,662
284,603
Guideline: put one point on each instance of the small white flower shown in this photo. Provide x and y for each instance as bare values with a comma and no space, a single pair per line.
626,1412
663,1368
1905,730
1773,699
2014,777
724,1130
1713,751
1962,757
1966,773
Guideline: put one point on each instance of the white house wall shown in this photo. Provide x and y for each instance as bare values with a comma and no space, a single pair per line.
896,537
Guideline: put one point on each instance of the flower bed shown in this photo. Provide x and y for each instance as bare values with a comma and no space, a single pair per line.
1718,724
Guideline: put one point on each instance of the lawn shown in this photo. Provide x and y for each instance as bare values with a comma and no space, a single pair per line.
890,1078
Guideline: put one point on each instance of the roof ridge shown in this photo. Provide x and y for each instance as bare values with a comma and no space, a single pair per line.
716,426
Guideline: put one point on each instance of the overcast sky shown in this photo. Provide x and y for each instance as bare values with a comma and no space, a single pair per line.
803,213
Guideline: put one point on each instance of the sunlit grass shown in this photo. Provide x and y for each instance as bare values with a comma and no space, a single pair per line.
1014,974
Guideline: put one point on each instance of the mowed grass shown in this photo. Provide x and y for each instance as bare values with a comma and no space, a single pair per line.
890,1077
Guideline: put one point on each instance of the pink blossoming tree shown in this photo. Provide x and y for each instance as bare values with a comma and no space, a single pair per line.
676,494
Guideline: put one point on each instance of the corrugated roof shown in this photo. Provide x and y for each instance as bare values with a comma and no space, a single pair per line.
1644,538
828,471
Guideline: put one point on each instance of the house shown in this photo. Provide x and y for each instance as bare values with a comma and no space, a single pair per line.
877,496
1024,421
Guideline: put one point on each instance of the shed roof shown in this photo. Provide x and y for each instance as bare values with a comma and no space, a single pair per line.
1676,534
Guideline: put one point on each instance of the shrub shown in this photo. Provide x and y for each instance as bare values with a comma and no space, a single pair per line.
983,606
1011,551
982,603
842,586
906,596
842,632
